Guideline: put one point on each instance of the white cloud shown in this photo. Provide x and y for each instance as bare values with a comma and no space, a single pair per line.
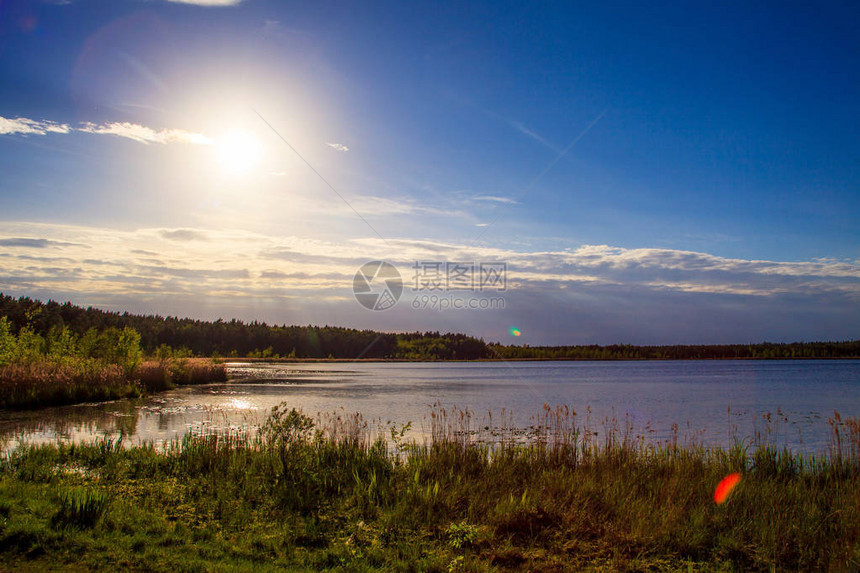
134,131
145,134
669,259
26,126
338,146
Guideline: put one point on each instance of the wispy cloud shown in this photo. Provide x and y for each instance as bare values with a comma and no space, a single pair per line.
518,126
495,199
145,134
133,131
184,235
31,243
24,126
375,206
531,133
338,146
208,3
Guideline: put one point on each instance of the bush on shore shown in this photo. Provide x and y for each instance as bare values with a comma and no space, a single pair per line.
66,369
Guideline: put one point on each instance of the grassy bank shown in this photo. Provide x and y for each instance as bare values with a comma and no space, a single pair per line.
328,497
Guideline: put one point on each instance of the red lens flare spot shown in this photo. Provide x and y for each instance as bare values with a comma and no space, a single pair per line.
725,487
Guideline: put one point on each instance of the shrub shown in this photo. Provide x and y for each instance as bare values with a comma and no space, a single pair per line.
461,534
286,428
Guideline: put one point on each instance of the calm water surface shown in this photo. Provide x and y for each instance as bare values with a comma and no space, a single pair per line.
708,400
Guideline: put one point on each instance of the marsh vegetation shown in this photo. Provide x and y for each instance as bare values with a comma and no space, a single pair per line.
336,494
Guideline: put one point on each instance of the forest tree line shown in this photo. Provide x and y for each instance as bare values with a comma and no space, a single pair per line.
236,338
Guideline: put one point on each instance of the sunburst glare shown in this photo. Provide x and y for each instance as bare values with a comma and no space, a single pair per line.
238,152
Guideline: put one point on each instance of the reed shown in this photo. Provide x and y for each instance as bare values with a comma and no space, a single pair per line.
47,382
196,371
164,374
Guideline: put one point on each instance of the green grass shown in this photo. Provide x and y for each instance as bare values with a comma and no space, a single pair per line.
327,496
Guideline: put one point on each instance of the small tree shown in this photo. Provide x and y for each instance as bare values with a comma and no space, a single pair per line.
120,347
163,353
128,352
8,342
62,343
88,344
30,345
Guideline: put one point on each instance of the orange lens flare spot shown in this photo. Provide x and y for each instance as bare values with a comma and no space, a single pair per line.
725,487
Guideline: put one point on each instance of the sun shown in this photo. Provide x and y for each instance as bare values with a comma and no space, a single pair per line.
238,151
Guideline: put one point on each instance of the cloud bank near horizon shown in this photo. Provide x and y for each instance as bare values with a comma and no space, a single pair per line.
589,294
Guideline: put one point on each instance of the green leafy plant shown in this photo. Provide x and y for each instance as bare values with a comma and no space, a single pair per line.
285,428
461,535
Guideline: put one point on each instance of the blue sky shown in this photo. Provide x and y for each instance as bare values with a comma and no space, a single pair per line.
666,173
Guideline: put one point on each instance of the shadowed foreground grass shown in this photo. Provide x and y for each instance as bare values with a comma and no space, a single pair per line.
325,496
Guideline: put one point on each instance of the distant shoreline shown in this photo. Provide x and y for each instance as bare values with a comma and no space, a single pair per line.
225,339
416,360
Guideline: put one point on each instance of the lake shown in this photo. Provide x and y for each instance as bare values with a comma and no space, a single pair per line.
709,401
